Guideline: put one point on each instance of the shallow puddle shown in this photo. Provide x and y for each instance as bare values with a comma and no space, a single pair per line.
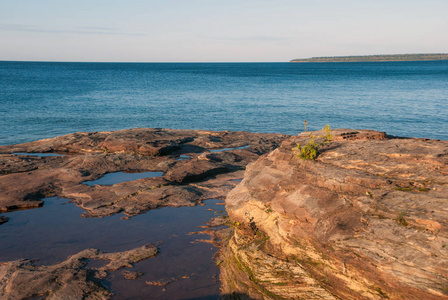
118,177
52,233
228,149
184,157
38,154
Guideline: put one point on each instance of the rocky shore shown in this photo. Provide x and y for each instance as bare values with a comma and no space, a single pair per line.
193,165
198,175
368,219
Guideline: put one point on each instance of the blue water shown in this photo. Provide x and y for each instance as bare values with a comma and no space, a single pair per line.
118,177
38,154
40,100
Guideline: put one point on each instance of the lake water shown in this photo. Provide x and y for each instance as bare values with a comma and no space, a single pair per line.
118,177
40,100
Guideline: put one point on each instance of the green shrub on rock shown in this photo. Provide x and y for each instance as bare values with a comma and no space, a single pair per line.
310,150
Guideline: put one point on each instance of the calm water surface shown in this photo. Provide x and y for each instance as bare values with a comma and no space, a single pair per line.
52,233
118,177
39,100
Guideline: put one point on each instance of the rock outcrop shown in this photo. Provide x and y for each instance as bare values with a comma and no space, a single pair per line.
194,168
368,219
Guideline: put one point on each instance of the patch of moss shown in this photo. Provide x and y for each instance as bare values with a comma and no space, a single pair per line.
308,261
401,220
445,290
380,292
268,210
409,189
243,267
279,283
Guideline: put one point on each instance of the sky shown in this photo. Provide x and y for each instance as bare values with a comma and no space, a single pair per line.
218,31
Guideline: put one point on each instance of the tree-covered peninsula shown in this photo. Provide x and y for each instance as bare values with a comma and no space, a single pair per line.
383,57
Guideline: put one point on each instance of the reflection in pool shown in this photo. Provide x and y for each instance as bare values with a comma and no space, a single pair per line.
38,154
118,177
184,157
56,231
228,149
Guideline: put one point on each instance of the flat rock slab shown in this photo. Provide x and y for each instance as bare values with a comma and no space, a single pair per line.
25,180
368,219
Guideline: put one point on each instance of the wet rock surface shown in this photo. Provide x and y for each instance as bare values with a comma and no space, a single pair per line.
70,279
26,179
368,219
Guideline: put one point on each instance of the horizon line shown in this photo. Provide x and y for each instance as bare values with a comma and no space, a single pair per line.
144,62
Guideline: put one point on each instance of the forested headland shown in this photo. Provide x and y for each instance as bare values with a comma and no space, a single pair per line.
383,57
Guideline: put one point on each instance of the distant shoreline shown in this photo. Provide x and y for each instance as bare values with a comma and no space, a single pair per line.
376,58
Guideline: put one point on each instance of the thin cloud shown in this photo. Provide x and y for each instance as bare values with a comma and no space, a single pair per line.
261,38
97,28
77,30
265,38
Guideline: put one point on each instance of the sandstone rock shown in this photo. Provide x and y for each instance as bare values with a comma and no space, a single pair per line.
367,219
146,141
26,180
132,275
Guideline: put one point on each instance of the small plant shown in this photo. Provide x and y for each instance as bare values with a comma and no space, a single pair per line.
222,214
311,150
232,223
327,131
